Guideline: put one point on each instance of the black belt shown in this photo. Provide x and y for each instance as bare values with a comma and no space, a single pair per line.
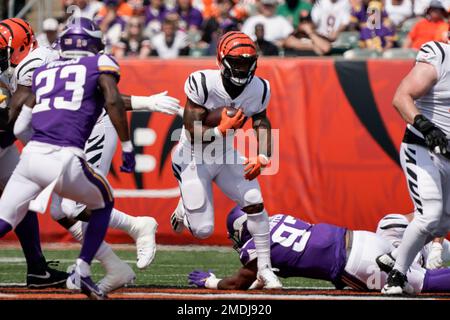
411,138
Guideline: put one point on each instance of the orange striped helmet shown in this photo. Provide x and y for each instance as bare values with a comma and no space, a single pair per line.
16,41
237,57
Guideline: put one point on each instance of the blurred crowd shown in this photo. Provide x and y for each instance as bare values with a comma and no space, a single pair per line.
172,28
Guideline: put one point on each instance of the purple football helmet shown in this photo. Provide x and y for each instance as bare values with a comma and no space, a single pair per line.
81,37
237,227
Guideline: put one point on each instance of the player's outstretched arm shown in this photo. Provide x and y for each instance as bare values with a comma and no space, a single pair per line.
16,102
242,280
117,113
159,102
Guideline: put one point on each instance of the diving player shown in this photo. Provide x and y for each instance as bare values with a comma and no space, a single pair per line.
320,251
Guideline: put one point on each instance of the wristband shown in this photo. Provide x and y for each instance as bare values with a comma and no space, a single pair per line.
127,146
264,159
139,102
212,282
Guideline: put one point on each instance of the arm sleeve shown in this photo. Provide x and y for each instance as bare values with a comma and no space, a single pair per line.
433,53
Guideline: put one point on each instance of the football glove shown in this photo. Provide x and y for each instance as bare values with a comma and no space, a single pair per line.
435,139
160,102
203,279
228,123
128,160
434,259
254,166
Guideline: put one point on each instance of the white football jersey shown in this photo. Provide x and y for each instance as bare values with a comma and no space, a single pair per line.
206,89
23,73
435,105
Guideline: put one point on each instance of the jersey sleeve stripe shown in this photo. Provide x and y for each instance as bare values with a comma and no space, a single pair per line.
205,89
428,46
423,50
265,90
394,225
440,49
107,68
25,64
195,83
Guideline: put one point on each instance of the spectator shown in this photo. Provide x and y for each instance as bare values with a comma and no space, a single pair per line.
277,28
379,35
220,23
50,33
292,9
112,19
433,27
87,8
331,17
155,13
191,18
265,48
399,10
133,44
305,41
421,6
171,42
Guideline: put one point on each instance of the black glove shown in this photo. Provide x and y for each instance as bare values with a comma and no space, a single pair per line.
434,137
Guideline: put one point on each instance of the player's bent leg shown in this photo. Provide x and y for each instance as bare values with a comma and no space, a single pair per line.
425,188
195,208
82,184
100,149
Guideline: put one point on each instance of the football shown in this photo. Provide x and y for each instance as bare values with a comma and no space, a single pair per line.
213,117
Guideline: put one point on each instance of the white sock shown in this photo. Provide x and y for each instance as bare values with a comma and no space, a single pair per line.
104,254
413,241
258,226
122,221
83,268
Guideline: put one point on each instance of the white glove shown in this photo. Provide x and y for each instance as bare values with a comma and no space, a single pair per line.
160,102
434,260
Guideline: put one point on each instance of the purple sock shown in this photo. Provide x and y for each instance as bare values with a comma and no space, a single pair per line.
95,232
437,280
28,233
5,227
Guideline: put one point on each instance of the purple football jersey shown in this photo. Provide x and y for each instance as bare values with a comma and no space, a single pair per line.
68,99
300,249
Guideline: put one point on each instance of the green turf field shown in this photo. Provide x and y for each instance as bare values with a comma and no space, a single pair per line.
170,267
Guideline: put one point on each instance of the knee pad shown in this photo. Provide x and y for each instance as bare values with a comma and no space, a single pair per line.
203,231
193,200
252,196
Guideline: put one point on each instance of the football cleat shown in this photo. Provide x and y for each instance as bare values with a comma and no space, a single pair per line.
397,284
48,278
84,284
143,233
177,218
385,262
117,275
268,277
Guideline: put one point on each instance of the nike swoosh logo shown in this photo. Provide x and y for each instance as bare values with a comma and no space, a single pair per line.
45,276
